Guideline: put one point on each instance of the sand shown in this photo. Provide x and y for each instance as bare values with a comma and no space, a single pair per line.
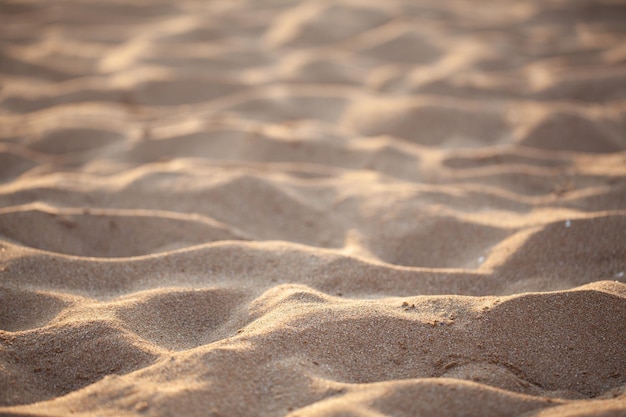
314,208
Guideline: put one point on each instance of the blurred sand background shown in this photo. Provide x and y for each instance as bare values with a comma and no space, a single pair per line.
312,208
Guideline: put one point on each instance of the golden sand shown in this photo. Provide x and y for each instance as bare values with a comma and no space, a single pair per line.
314,208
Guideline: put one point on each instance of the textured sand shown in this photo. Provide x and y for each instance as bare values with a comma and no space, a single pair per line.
315,208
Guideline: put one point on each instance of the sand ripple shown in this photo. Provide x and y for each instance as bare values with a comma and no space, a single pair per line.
312,208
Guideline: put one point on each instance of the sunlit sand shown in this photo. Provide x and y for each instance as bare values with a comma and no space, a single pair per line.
315,208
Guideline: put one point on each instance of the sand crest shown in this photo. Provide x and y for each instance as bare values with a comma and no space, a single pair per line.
312,208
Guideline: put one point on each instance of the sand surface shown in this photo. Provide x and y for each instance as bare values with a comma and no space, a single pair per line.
314,208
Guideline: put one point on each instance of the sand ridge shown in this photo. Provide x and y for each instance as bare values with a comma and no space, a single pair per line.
312,208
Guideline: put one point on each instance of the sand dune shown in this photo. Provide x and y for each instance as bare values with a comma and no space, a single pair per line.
312,208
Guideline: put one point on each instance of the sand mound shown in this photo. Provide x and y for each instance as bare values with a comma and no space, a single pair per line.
312,208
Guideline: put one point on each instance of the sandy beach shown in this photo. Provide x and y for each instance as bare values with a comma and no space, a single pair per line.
312,208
